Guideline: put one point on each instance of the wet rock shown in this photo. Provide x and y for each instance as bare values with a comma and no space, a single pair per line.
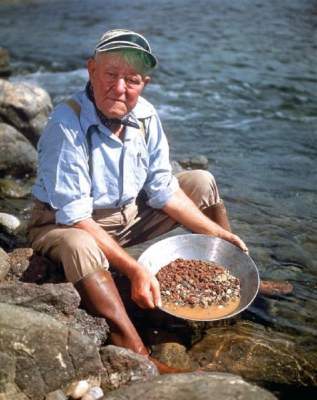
9,223
192,386
26,107
253,352
196,162
5,68
4,264
18,156
173,354
41,354
123,367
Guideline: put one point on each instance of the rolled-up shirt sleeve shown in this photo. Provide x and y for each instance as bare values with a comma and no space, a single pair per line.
64,172
160,184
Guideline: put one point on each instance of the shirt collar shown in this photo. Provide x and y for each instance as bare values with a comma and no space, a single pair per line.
89,117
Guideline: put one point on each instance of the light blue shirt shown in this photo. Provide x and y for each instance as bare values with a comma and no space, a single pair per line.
119,169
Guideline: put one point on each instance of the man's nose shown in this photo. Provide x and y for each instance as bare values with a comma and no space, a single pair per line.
120,85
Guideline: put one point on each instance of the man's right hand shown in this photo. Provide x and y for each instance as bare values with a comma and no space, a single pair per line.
145,289
234,239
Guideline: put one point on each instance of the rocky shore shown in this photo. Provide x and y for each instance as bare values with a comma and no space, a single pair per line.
52,349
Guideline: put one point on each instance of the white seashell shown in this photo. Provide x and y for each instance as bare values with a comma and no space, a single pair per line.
77,389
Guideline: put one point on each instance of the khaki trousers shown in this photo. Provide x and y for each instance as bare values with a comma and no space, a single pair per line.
77,250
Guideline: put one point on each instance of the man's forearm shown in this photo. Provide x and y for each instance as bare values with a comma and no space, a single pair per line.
182,209
115,254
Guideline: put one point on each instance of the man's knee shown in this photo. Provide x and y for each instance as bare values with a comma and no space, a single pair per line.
80,254
200,186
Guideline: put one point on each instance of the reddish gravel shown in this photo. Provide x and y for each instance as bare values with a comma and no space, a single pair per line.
197,283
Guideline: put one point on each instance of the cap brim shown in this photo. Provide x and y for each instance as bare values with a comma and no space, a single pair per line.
115,46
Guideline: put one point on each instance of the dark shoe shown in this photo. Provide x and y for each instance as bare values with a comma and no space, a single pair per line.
100,297
275,288
218,213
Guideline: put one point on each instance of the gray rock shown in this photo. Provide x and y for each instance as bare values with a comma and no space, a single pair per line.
48,298
192,386
60,301
18,156
26,107
196,162
123,367
4,264
41,355
14,189
9,223
5,68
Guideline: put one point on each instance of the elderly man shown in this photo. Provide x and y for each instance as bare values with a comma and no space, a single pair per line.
104,181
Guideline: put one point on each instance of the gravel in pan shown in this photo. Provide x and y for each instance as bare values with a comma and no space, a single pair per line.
197,283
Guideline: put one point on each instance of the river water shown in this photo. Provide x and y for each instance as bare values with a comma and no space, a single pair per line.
237,83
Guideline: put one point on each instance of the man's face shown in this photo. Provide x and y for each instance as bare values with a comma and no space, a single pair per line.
115,83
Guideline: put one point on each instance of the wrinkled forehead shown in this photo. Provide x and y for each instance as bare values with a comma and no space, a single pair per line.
115,61
129,61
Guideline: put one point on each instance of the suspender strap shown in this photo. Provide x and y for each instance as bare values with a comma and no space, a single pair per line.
74,106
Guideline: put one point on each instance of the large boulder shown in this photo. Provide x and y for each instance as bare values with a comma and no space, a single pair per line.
60,301
5,68
192,386
26,107
18,156
39,354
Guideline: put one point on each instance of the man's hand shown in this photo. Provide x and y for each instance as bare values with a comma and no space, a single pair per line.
234,239
145,289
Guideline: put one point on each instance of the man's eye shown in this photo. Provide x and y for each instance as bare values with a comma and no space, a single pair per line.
110,75
133,80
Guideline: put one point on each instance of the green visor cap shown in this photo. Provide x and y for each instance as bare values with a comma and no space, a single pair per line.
124,39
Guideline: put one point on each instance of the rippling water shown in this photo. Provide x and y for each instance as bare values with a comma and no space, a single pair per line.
236,82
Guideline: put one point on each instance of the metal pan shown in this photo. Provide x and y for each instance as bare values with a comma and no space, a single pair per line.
203,247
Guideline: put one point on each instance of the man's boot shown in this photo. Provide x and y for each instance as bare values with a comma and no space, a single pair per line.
100,297
217,213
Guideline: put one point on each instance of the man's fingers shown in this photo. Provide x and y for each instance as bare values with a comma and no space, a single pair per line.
240,243
143,297
156,293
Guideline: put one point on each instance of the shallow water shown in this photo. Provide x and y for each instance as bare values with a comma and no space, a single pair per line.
237,83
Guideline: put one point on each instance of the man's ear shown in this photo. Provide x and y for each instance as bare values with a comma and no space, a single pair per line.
146,80
91,67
